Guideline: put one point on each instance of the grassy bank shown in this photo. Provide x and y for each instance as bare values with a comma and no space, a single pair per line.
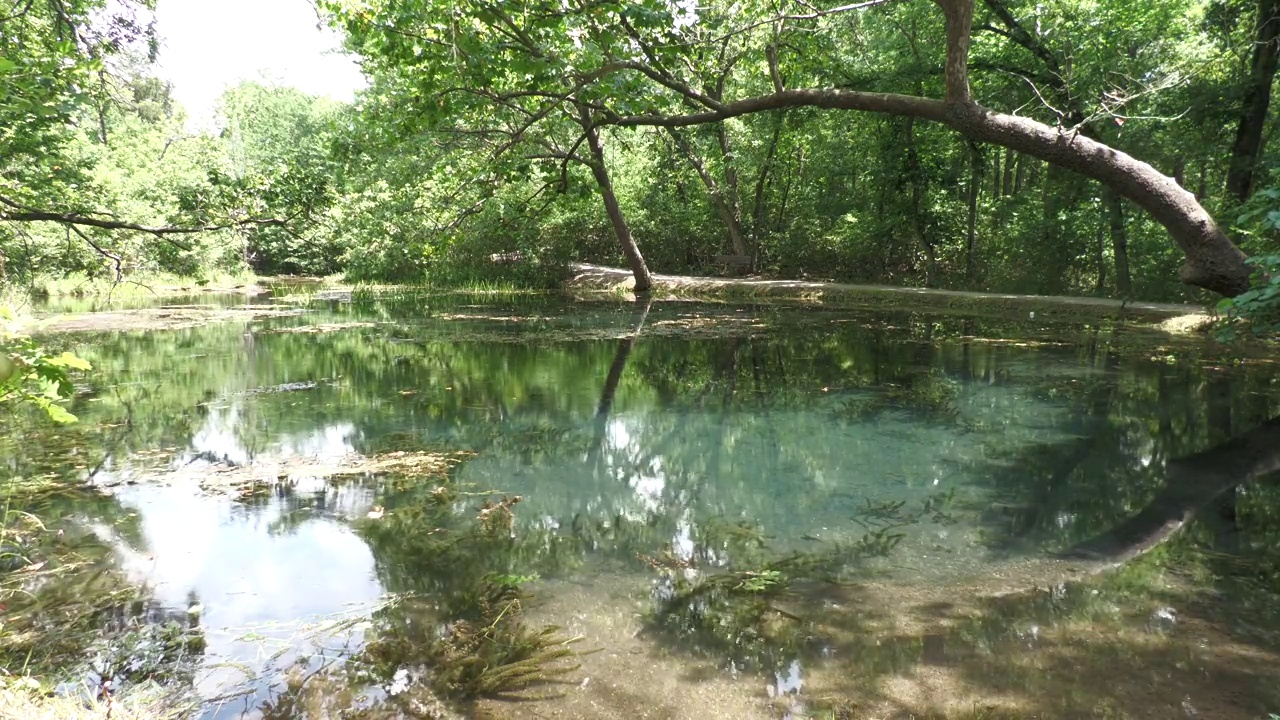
79,285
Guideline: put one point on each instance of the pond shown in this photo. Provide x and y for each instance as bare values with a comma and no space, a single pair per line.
523,506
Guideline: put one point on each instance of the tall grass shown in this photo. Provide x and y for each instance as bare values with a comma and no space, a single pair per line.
137,285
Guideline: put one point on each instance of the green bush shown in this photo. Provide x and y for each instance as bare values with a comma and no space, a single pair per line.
1257,309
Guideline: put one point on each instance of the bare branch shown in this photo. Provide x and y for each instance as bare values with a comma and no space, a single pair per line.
22,213
116,260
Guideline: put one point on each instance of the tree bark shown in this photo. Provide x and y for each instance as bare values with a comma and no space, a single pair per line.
644,280
1100,246
1213,261
997,180
726,207
762,180
1257,100
975,181
1009,174
733,197
102,106
1119,243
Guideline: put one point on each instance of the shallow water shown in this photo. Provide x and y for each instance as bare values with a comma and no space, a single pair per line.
714,437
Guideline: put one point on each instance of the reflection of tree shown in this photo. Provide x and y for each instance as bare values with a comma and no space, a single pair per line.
619,363
616,368
1191,483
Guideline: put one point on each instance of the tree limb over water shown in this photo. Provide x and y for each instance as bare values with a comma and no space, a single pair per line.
18,212
1213,261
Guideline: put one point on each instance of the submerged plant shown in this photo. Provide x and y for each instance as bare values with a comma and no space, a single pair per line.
734,598
460,627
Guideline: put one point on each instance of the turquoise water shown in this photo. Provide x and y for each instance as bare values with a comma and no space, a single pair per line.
656,446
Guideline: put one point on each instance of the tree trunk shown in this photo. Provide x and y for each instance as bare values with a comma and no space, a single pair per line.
786,187
1100,247
1213,261
997,180
1012,178
732,196
1119,243
975,181
102,106
725,207
1257,99
644,281
915,176
762,180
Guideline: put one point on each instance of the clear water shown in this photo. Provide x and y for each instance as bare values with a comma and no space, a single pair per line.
979,447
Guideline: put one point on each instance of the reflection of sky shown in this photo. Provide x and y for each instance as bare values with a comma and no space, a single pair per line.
217,438
625,460
266,570
246,577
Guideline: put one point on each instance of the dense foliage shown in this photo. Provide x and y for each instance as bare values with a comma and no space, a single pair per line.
474,140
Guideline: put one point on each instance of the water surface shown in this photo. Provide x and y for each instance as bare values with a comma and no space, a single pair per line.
705,437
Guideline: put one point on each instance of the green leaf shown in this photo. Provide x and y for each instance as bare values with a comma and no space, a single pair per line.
67,360
56,413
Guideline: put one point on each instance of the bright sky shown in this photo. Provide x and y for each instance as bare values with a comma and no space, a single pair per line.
208,45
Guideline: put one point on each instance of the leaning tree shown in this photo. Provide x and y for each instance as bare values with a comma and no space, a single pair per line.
648,62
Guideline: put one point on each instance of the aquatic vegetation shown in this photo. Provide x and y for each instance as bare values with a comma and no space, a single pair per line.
457,556
485,650
149,701
737,599
69,614
931,396
739,613
253,483
145,643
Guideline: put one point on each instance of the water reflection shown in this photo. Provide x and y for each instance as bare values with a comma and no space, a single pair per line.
748,453
255,579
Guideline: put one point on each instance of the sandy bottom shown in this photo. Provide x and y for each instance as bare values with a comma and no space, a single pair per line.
630,676
900,651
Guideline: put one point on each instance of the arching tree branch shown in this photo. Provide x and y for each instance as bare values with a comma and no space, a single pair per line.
18,212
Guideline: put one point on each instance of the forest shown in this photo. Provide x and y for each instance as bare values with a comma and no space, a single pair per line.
1115,149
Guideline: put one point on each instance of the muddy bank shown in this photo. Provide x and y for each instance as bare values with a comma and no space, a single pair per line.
596,278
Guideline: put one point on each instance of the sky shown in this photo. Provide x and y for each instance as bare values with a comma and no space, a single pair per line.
208,45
